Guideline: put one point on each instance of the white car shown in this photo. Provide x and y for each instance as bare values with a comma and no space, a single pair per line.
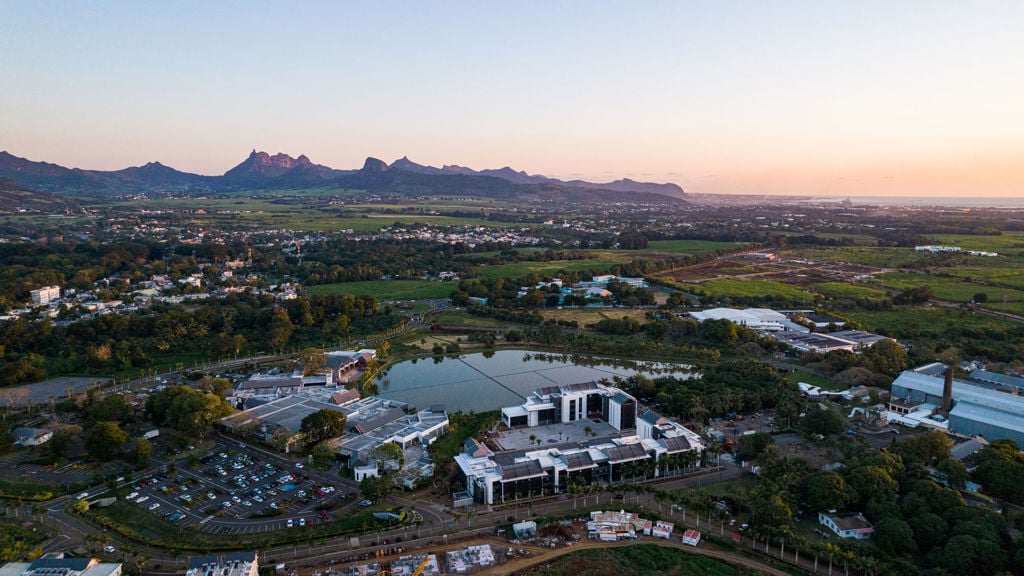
108,548
290,523
142,499
299,465
302,521
154,505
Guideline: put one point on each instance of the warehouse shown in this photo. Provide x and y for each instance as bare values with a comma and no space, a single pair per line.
931,394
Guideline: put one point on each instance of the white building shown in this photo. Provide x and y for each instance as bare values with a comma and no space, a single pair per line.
489,478
573,402
57,565
847,525
228,564
45,295
755,318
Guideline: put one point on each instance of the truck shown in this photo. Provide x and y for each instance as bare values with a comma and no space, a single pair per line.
151,434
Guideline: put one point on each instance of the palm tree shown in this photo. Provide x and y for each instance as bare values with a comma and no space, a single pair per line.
831,550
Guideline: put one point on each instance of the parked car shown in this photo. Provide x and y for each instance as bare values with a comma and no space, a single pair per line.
108,548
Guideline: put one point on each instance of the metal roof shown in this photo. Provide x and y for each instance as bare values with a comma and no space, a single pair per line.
579,461
997,378
625,453
522,471
675,444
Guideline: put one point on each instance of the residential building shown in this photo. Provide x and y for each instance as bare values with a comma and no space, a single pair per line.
847,525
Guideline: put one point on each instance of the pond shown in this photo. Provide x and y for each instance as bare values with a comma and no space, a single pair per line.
488,381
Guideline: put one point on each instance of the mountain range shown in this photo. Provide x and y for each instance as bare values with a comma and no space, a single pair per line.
262,171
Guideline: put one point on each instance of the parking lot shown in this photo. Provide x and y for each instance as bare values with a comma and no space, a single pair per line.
235,489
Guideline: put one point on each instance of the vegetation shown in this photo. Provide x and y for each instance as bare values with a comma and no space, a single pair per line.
190,411
637,560
322,425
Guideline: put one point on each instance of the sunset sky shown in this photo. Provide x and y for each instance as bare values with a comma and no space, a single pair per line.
897,98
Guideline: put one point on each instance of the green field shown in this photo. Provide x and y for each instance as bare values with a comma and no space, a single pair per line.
553,268
687,246
462,319
312,213
929,322
841,290
882,257
723,287
1008,243
389,289
636,560
815,380
954,289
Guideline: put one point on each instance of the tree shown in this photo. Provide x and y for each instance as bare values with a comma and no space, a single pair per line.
895,536
376,489
822,422
753,445
279,329
312,361
141,453
1000,468
113,408
388,455
323,425
871,483
323,455
104,440
926,449
62,440
954,473
719,331
191,412
826,491
887,357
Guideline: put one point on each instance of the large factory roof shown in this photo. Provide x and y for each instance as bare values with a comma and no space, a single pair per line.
962,392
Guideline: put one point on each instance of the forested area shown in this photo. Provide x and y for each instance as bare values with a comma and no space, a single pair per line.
239,323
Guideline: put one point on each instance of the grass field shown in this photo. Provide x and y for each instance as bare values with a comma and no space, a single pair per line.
815,380
461,318
1008,243
687,246
866,255
636,560
553,268
928,322
723,287
389,289
262,211
590,316
841,290
954,289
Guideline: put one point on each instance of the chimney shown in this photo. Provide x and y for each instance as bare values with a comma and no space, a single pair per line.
947,392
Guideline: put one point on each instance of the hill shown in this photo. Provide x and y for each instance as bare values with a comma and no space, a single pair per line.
262,171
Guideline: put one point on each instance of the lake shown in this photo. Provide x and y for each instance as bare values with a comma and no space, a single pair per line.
482,382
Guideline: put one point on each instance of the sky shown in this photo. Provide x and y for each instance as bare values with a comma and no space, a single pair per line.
880,98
